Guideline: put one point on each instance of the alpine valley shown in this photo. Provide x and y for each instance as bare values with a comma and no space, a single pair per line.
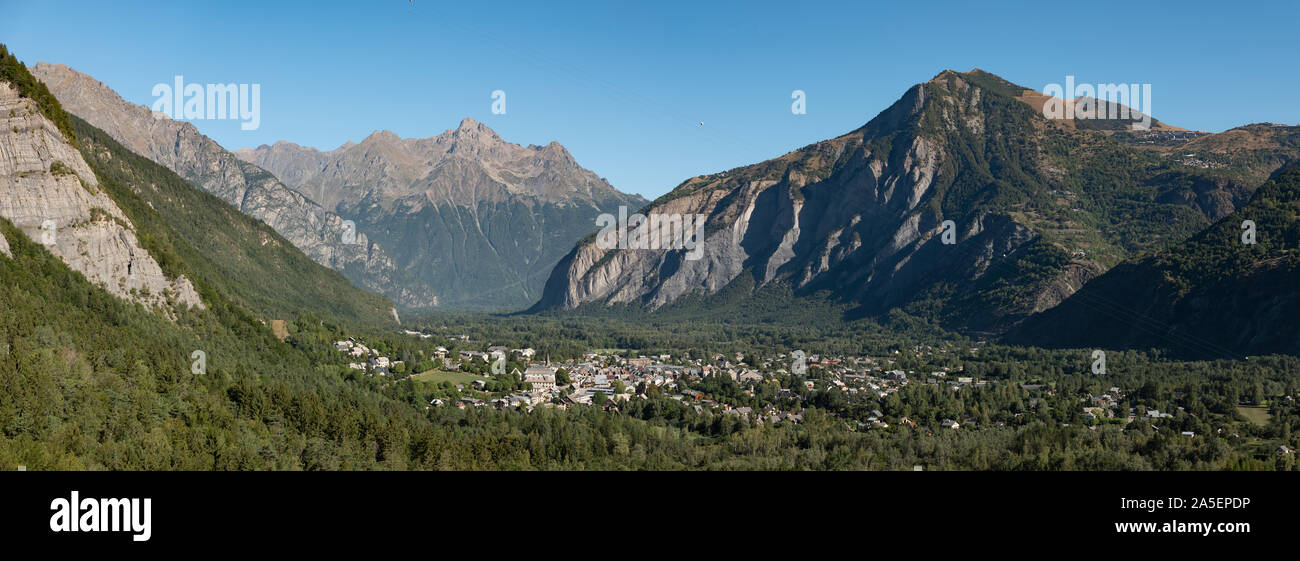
960,283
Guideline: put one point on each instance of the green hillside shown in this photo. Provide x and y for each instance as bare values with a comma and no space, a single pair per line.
1212,296
88,381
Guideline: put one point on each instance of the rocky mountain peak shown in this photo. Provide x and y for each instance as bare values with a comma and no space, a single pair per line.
556,151
287,144
378,137
470,133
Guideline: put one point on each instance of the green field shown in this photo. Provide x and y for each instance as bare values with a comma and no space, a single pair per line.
439,376
1256,415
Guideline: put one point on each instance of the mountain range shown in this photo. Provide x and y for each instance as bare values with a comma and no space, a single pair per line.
480,219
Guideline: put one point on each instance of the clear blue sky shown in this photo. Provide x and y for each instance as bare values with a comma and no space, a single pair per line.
624,85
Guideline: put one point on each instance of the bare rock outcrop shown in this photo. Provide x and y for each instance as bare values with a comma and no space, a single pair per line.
49,192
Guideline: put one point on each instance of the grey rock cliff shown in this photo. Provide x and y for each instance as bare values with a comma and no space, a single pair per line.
50,193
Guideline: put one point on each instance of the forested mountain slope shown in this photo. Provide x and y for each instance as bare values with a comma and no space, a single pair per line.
1213,296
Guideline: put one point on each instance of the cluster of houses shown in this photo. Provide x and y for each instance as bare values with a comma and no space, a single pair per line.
611,379
1106,405
1191,160
543,390
608,380
1113,404
493,353
1160,137
370,359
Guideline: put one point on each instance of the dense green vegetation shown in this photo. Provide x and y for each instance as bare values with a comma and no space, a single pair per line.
90,381
1212,296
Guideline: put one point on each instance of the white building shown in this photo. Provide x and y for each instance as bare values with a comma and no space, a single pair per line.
541,377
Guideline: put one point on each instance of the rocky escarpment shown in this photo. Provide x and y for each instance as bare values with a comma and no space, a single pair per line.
49,192
322,235
1037,208
482,219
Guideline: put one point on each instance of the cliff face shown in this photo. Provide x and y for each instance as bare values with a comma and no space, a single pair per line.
49,192
483,219
778,219
1038,209
179,146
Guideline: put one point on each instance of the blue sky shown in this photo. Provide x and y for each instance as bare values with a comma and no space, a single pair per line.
624,85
